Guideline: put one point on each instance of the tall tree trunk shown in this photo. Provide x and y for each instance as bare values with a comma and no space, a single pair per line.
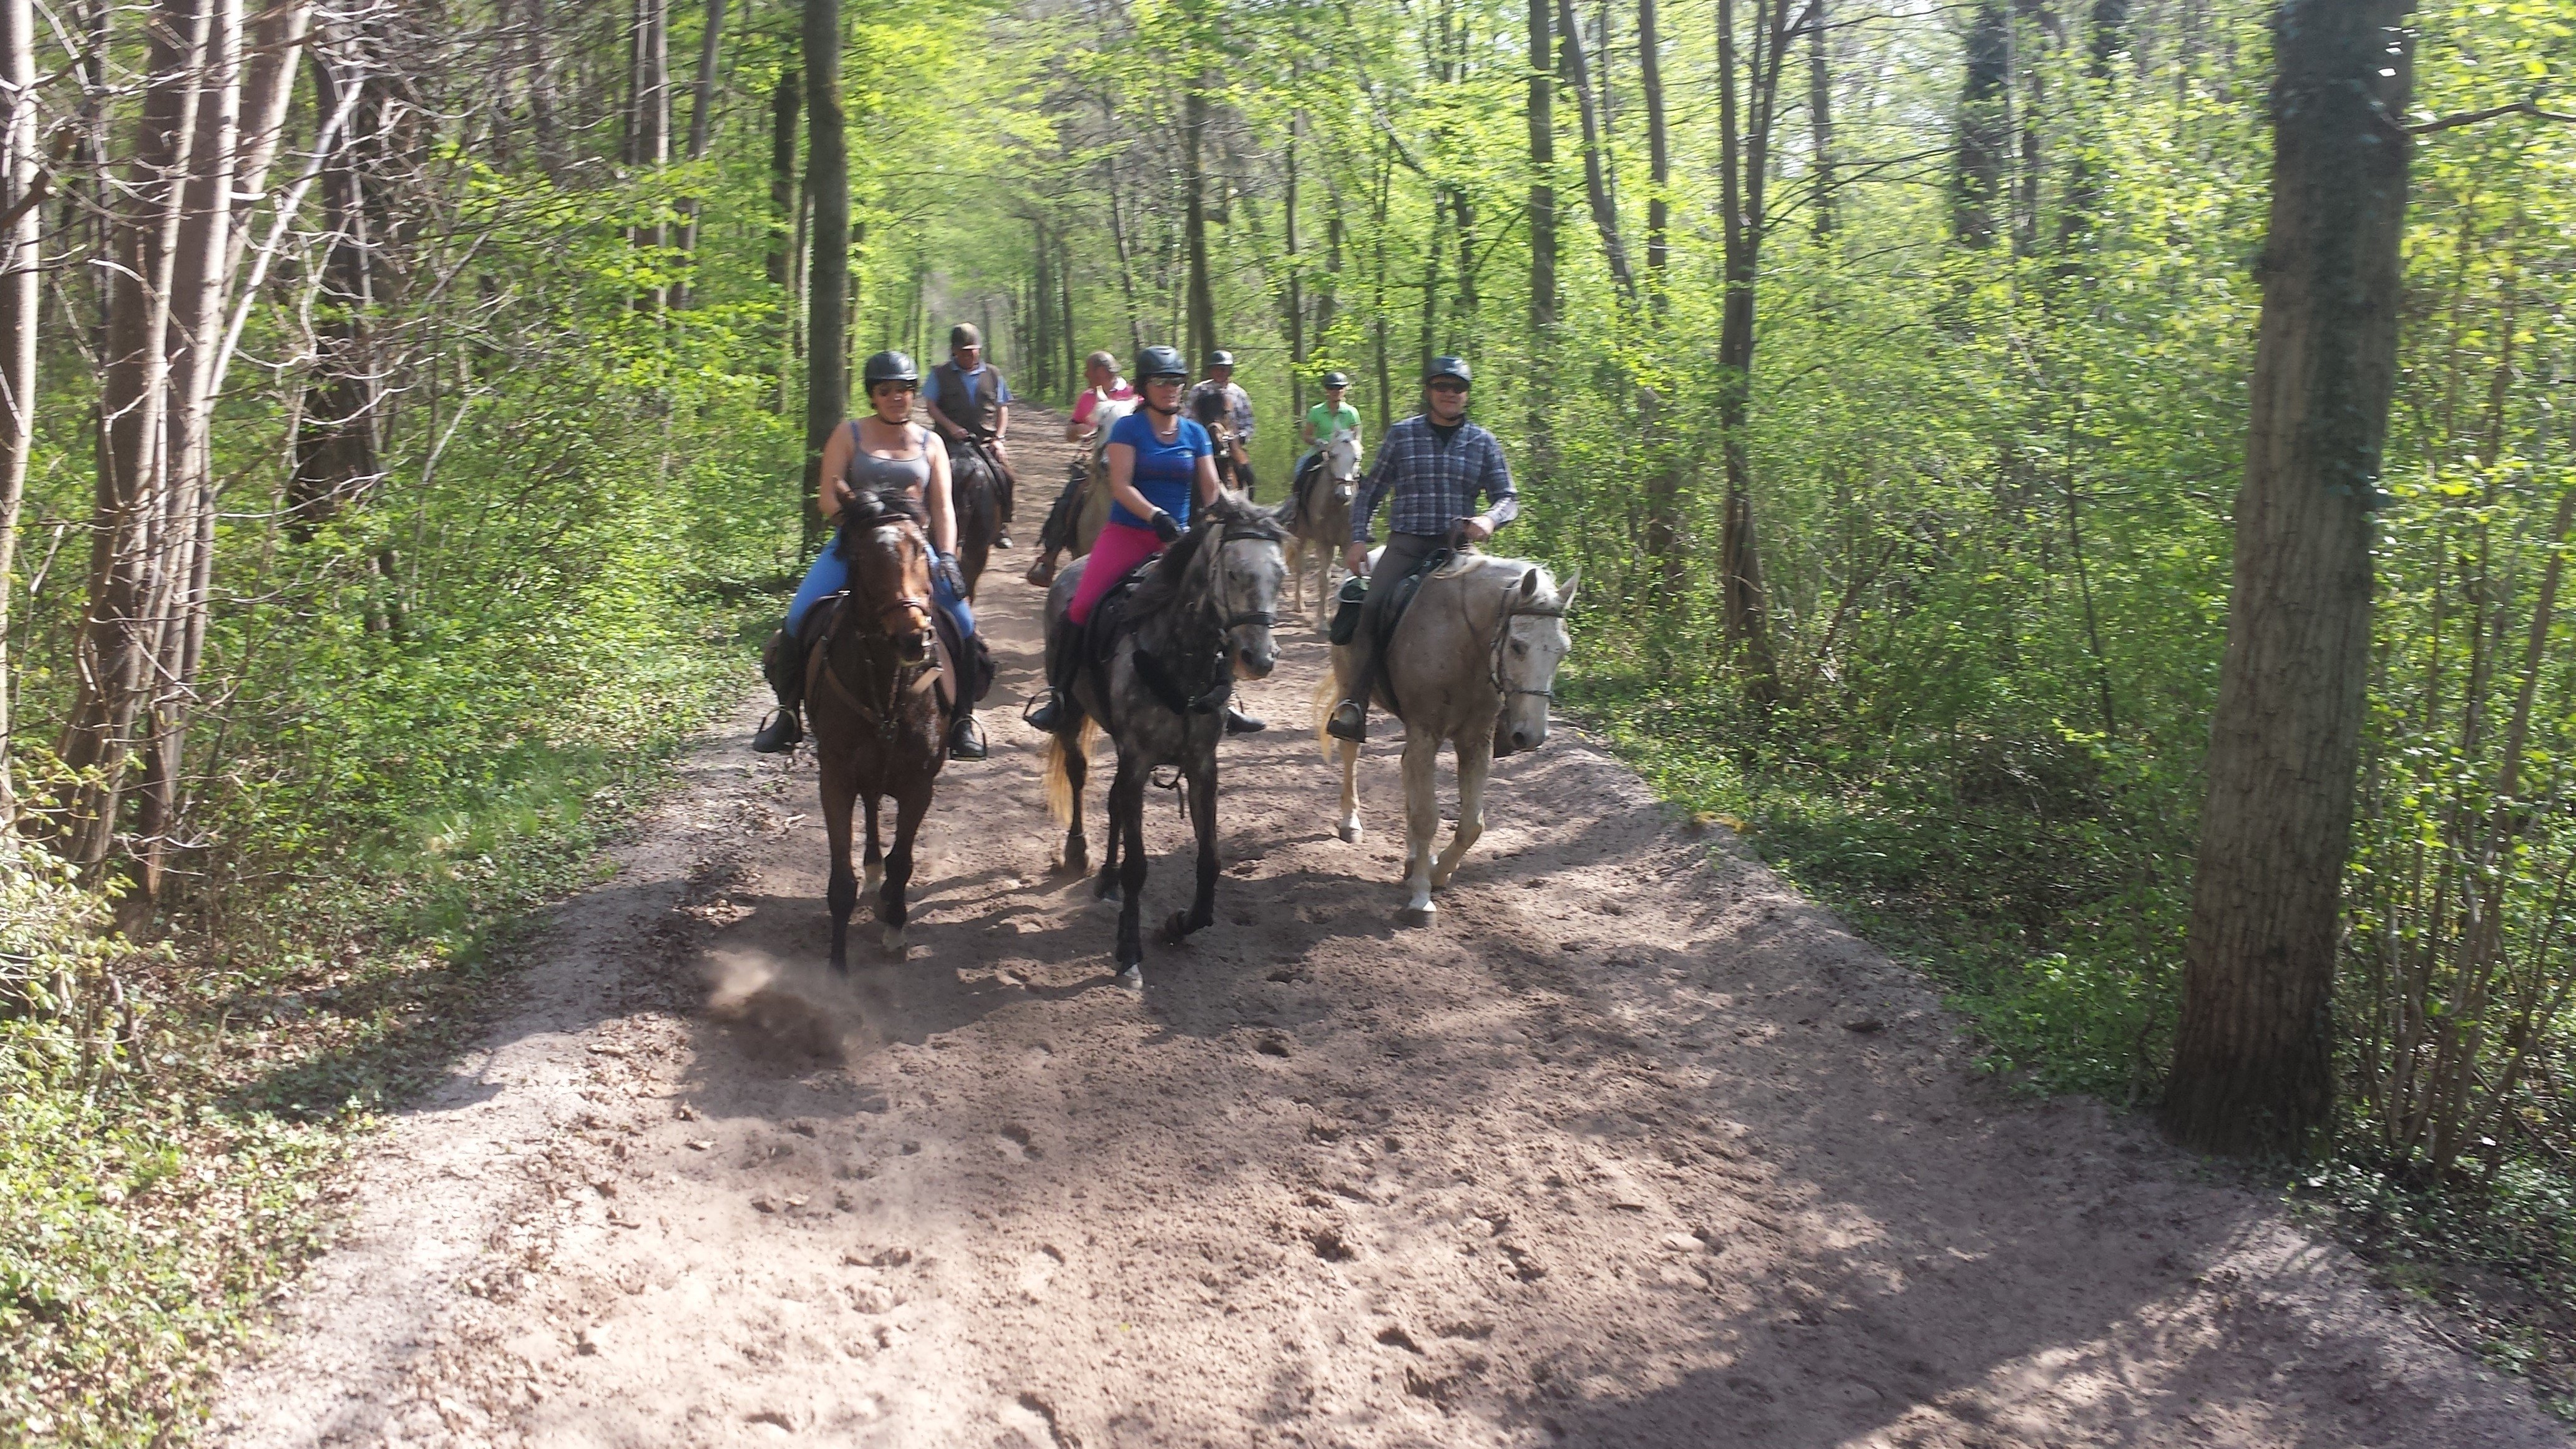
1744,166
129,539
1985,125
1542,244
782,177
1202,299
827,191
198,288
1126,258
702,106
1296,290
1820,121
21,298
2253,1064
652,129
2110,23
1664,467
1596,182
339,427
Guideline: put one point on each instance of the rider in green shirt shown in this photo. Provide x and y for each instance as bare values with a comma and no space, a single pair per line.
1325,421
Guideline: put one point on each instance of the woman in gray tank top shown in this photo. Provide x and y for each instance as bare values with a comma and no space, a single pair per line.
870,452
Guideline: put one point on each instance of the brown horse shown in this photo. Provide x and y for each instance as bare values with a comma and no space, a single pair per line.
1209,409
975,487
870,675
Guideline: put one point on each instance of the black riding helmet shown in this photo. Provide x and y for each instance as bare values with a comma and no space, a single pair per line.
1220,358
1155,362
889,367
1446,367
1337,379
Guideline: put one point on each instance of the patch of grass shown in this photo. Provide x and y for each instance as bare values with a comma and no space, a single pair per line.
2027,876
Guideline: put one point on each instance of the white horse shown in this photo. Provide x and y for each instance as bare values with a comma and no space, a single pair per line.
1323,524
1473,663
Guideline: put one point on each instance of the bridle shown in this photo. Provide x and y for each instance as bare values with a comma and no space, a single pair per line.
1229,620
1514,609
882,630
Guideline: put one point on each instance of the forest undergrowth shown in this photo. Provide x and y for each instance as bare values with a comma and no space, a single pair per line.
167,1160
2043,884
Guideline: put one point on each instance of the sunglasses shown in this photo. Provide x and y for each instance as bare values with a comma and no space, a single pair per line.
885,387
1445,386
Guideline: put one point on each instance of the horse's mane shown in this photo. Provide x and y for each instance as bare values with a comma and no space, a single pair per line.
1208,407
1231,513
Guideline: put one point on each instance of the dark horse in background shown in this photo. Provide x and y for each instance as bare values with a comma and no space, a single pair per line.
1209,409
1159,664
871,698
979,488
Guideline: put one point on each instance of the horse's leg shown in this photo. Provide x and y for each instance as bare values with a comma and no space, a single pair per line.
1421,822
1202,911
1109,851
909,807
839,792
1349,829
1475,762
875,862
1127,832
1077,769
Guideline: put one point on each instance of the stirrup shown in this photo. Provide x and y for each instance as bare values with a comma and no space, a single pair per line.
966,739
779,733
1239,723
1044,712
1356,731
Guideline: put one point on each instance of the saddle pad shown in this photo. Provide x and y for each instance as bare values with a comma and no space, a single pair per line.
977,663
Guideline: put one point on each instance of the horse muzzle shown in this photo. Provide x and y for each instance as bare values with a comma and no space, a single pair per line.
912,647
1256,659
1342,492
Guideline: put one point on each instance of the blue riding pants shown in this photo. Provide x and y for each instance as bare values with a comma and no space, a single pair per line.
830,575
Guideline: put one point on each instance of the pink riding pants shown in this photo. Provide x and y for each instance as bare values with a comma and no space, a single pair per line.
1118,549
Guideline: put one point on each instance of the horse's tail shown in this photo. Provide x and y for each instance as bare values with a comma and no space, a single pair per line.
1059,782
1328,693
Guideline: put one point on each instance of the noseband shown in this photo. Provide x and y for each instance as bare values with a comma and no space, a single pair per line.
1229,621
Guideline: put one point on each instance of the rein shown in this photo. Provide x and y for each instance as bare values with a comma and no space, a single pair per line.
1169,690
925,673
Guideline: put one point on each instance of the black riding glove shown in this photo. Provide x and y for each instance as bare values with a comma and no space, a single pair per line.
943,567
1165,526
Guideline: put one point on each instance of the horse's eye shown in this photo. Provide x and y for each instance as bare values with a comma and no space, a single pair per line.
1519,648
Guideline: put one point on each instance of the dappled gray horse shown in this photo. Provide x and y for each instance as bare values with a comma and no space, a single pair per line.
1200,619
1472,663
1321,524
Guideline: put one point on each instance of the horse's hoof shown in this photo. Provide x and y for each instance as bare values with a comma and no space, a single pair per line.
1349,831
868,884
1078,863
1178,928
1421,915
840,964
1108,905
1440,879
1132,974
893,943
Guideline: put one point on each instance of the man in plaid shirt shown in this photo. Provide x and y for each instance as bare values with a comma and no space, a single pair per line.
1435,465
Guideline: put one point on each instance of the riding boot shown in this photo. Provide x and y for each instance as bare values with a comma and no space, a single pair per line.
966,738
1239,723
1064,662
784,666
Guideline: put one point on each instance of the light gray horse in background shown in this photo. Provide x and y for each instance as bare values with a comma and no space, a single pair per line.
1323,525
1473,663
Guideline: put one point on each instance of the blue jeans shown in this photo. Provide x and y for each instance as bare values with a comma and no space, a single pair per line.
830,574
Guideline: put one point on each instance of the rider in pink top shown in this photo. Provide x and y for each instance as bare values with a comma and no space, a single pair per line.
1106,386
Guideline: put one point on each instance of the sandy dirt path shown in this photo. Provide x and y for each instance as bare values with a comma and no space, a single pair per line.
1635,1147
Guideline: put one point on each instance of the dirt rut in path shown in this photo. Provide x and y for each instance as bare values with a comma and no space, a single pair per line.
1634,1148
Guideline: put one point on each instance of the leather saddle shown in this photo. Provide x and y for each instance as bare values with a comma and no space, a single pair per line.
1100,644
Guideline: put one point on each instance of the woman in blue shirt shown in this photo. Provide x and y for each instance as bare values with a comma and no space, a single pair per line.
1160,464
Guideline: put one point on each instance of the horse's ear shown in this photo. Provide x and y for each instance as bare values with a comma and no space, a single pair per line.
1529,583
1565,592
